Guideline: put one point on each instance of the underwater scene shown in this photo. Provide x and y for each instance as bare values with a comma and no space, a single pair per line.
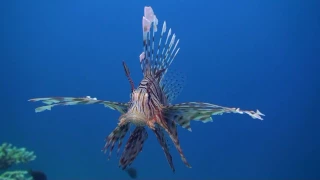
143,89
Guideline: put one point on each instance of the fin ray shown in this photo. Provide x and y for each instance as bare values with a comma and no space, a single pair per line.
172,85
163,142
170,127
116,135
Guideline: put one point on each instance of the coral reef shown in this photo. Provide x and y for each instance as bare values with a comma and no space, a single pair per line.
15,175
10,155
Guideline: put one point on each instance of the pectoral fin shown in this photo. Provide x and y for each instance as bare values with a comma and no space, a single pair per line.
133,146
183,113
170,127
116,135
65,101
163,142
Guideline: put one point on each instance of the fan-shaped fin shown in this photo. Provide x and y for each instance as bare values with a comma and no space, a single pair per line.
185,112
68,101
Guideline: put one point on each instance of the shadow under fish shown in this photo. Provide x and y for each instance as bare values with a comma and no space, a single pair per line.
132,172
37,175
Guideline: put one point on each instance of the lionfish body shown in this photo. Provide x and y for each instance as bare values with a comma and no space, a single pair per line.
150,104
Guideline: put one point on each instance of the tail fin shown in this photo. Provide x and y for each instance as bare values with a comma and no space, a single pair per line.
152,62
185,112
133,146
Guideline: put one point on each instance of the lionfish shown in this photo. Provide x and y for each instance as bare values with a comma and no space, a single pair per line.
150,103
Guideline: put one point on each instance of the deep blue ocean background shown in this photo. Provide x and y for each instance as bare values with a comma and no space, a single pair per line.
249,54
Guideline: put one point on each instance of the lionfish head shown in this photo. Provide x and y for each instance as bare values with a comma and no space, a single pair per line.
136,113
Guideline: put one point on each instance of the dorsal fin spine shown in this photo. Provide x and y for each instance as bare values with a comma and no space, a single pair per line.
154,60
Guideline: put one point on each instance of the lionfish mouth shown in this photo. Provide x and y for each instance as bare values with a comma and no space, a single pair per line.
137,119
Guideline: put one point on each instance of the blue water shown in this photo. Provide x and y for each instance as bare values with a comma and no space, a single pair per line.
249,54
